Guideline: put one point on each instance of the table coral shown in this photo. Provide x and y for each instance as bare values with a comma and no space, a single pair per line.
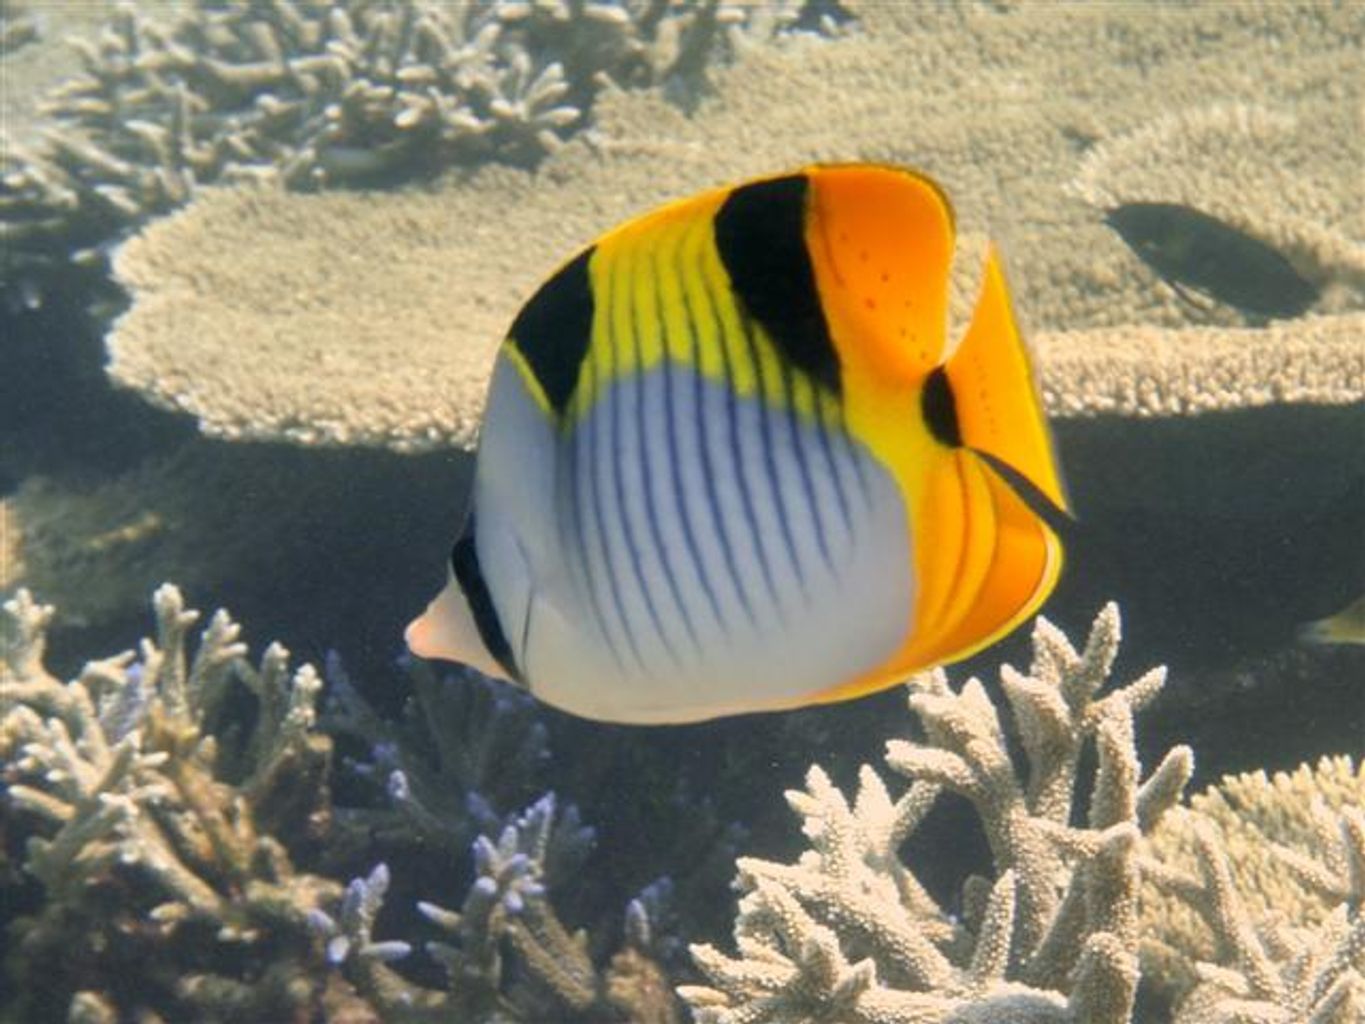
983,100
406,355
850,933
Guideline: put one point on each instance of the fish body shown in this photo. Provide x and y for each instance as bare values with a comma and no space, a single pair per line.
729,464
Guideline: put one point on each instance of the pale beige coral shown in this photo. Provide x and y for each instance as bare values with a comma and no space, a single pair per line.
850,933
119,780
338,318
1154,371
372,319
1275,967
1268,825
347,319
1215,159
316,93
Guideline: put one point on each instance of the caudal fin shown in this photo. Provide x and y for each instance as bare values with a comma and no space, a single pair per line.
999,407
995,493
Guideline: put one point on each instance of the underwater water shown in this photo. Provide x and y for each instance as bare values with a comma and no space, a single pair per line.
257,262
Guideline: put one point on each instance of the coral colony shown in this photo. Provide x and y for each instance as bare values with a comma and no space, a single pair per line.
189,832
143,802
315,93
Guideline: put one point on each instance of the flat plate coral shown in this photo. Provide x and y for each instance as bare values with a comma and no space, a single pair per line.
371,318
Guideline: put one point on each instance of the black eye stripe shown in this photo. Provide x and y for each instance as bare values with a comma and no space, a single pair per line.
464,561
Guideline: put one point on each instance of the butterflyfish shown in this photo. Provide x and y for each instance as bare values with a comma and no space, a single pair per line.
730,461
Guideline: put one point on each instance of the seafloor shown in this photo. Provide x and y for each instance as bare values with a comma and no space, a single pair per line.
254,266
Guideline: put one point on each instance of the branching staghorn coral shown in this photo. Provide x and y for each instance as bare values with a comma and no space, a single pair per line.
1277,969
162,838
466,752
156,872
505,954
325,92
1254,907
849,933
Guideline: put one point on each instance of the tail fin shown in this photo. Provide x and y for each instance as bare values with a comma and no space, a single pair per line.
999,407
995,493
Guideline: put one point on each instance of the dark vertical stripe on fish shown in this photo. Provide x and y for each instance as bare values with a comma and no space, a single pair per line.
554,329
790,382
765,429
938,406
761,237
746,497
617,271
647,466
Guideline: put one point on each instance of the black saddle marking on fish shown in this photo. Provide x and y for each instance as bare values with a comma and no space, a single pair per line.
1191,249
553,330
464,560
761,238
938,406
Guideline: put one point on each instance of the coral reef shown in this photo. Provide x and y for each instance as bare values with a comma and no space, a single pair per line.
176,803
161,845
1244,905
167,821
1279,966
465,750
239,267
318,93
1281,856
1213,159
505,954
411,327
850,932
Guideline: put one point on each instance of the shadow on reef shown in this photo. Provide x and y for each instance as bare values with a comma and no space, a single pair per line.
1221,535
57,410
321,548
